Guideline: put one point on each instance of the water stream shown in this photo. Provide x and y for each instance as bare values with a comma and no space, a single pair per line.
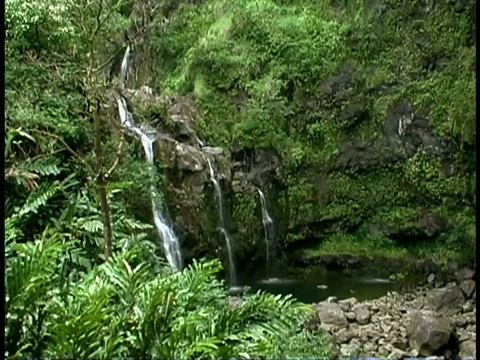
223,229
148,137
269,238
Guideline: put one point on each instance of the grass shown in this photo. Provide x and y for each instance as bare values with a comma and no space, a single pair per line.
371,246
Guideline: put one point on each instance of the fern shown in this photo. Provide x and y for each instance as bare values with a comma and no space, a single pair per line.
40,196
48,165
91,225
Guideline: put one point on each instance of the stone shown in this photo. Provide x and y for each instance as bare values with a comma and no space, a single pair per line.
413,353
468,287
467,307
362,314
397,354
463,335
373,334
431,278
467,349
351,349
465,274
331,314
350,316
344,336
386,328
326,327
332,299
427,333
351,301
400,344
472,328
447,298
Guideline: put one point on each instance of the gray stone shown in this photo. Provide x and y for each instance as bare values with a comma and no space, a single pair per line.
465,274
467,349
427,333
447,298
350,316
362,314
431,278
331,314
344,336
352,349
397,354
374,334
468,287
413,353
386,328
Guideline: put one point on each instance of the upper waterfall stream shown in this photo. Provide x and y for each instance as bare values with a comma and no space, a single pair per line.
148,137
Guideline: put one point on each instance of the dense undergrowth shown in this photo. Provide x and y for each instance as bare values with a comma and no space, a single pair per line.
82,272
74,289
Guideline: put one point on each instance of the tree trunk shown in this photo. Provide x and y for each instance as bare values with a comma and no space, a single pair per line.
107,224
101,184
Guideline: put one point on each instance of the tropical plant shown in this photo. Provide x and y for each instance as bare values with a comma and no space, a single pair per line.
126,308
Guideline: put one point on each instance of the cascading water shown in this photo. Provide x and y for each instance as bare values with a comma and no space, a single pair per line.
171,244
223,230
268,227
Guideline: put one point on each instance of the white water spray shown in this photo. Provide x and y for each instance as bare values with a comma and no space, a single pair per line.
268,227
223,230
125,68
171,244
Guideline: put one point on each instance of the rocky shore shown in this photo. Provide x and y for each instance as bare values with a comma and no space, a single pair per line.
428,321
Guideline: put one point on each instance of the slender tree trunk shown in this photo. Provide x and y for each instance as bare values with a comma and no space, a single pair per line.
101,184
107,223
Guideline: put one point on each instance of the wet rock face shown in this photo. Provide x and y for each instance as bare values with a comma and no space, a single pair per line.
181,151
428,226
404,132
402,325
254,168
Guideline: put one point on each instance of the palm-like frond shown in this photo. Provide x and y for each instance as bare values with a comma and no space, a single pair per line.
33,266
123,309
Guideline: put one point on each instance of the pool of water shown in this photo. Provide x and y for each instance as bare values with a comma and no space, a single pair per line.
319,287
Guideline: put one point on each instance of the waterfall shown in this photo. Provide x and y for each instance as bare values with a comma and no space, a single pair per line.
223,230
171,244
268,227
125,67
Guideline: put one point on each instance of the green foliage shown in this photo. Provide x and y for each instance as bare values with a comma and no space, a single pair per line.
261,72
119,309
365,245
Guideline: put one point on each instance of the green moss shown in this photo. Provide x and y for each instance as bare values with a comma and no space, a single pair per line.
246,218
260,68
366,246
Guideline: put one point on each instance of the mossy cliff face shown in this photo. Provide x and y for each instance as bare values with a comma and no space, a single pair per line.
357,121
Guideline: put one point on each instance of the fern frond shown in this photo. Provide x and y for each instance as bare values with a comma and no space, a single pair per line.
48,165
91,225
40,196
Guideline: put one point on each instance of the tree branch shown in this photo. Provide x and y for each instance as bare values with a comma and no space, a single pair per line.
70,150
117,157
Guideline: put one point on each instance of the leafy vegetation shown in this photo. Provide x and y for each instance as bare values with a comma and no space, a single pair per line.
65,155
302,78
129,307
